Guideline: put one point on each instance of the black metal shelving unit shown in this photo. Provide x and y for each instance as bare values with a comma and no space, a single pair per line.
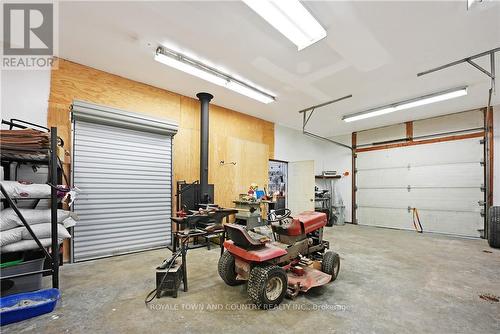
50,159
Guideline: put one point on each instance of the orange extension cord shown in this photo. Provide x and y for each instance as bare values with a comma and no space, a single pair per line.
419,229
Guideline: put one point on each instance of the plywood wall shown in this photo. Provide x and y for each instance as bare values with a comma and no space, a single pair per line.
234,136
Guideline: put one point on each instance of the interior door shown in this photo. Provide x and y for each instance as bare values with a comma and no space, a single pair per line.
301,186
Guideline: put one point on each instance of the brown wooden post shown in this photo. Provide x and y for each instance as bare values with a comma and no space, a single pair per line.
353,196
491,155
409,131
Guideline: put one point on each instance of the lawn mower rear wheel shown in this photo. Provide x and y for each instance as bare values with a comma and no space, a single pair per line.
226,269
267,286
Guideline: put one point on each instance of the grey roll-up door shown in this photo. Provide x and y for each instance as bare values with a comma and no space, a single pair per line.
124,173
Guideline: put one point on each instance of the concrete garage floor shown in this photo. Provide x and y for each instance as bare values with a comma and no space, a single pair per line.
390,282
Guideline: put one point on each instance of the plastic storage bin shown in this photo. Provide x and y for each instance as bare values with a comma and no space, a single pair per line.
27,305
24,283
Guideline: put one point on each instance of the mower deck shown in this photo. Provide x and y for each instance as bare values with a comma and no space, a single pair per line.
310,278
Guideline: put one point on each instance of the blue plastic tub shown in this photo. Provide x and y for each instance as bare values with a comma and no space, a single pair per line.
47,302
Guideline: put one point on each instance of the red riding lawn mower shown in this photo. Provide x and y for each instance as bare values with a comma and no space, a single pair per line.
291,259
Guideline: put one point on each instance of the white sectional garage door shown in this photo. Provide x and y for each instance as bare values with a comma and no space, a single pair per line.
442,180
125,179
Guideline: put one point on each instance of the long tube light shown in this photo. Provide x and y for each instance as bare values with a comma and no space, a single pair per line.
291,19
191,66
407,104
470,3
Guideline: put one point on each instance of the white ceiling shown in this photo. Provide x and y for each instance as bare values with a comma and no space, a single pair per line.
373,51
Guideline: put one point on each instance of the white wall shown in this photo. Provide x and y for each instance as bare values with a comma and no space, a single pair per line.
25,95
292,145
496,155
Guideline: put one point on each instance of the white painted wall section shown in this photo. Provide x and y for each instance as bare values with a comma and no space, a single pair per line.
25,95
292,145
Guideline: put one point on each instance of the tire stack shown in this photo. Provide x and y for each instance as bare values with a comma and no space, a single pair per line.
494,227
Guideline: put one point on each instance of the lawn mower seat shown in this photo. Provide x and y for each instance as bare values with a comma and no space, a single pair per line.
240,237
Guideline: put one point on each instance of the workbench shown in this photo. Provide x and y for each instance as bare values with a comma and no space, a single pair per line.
207,225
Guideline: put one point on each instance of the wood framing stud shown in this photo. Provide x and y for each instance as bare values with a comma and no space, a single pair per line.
353,178
409,130
489,122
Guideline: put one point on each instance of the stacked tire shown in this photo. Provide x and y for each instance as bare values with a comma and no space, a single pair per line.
494,227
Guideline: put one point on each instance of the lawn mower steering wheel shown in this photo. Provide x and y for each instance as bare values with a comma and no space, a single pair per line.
273,216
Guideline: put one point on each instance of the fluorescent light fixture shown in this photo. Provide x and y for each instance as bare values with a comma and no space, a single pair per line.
245,90
407,104
471,2
191,66
291,19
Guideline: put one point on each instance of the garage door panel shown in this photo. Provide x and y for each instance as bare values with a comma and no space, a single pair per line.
449,175
382,217
467,150
398,198
125,179
446,199
429,199
379,177
454,223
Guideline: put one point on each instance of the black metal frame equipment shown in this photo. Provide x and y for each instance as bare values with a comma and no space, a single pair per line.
49,158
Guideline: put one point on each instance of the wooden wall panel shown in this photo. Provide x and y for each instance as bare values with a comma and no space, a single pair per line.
234,136
73,81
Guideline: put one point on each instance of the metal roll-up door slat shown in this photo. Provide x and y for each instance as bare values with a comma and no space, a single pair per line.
124,167
123,243
118,145
94,133
102,221
114,173
125,225
96,253
124,207
123,234
119,156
